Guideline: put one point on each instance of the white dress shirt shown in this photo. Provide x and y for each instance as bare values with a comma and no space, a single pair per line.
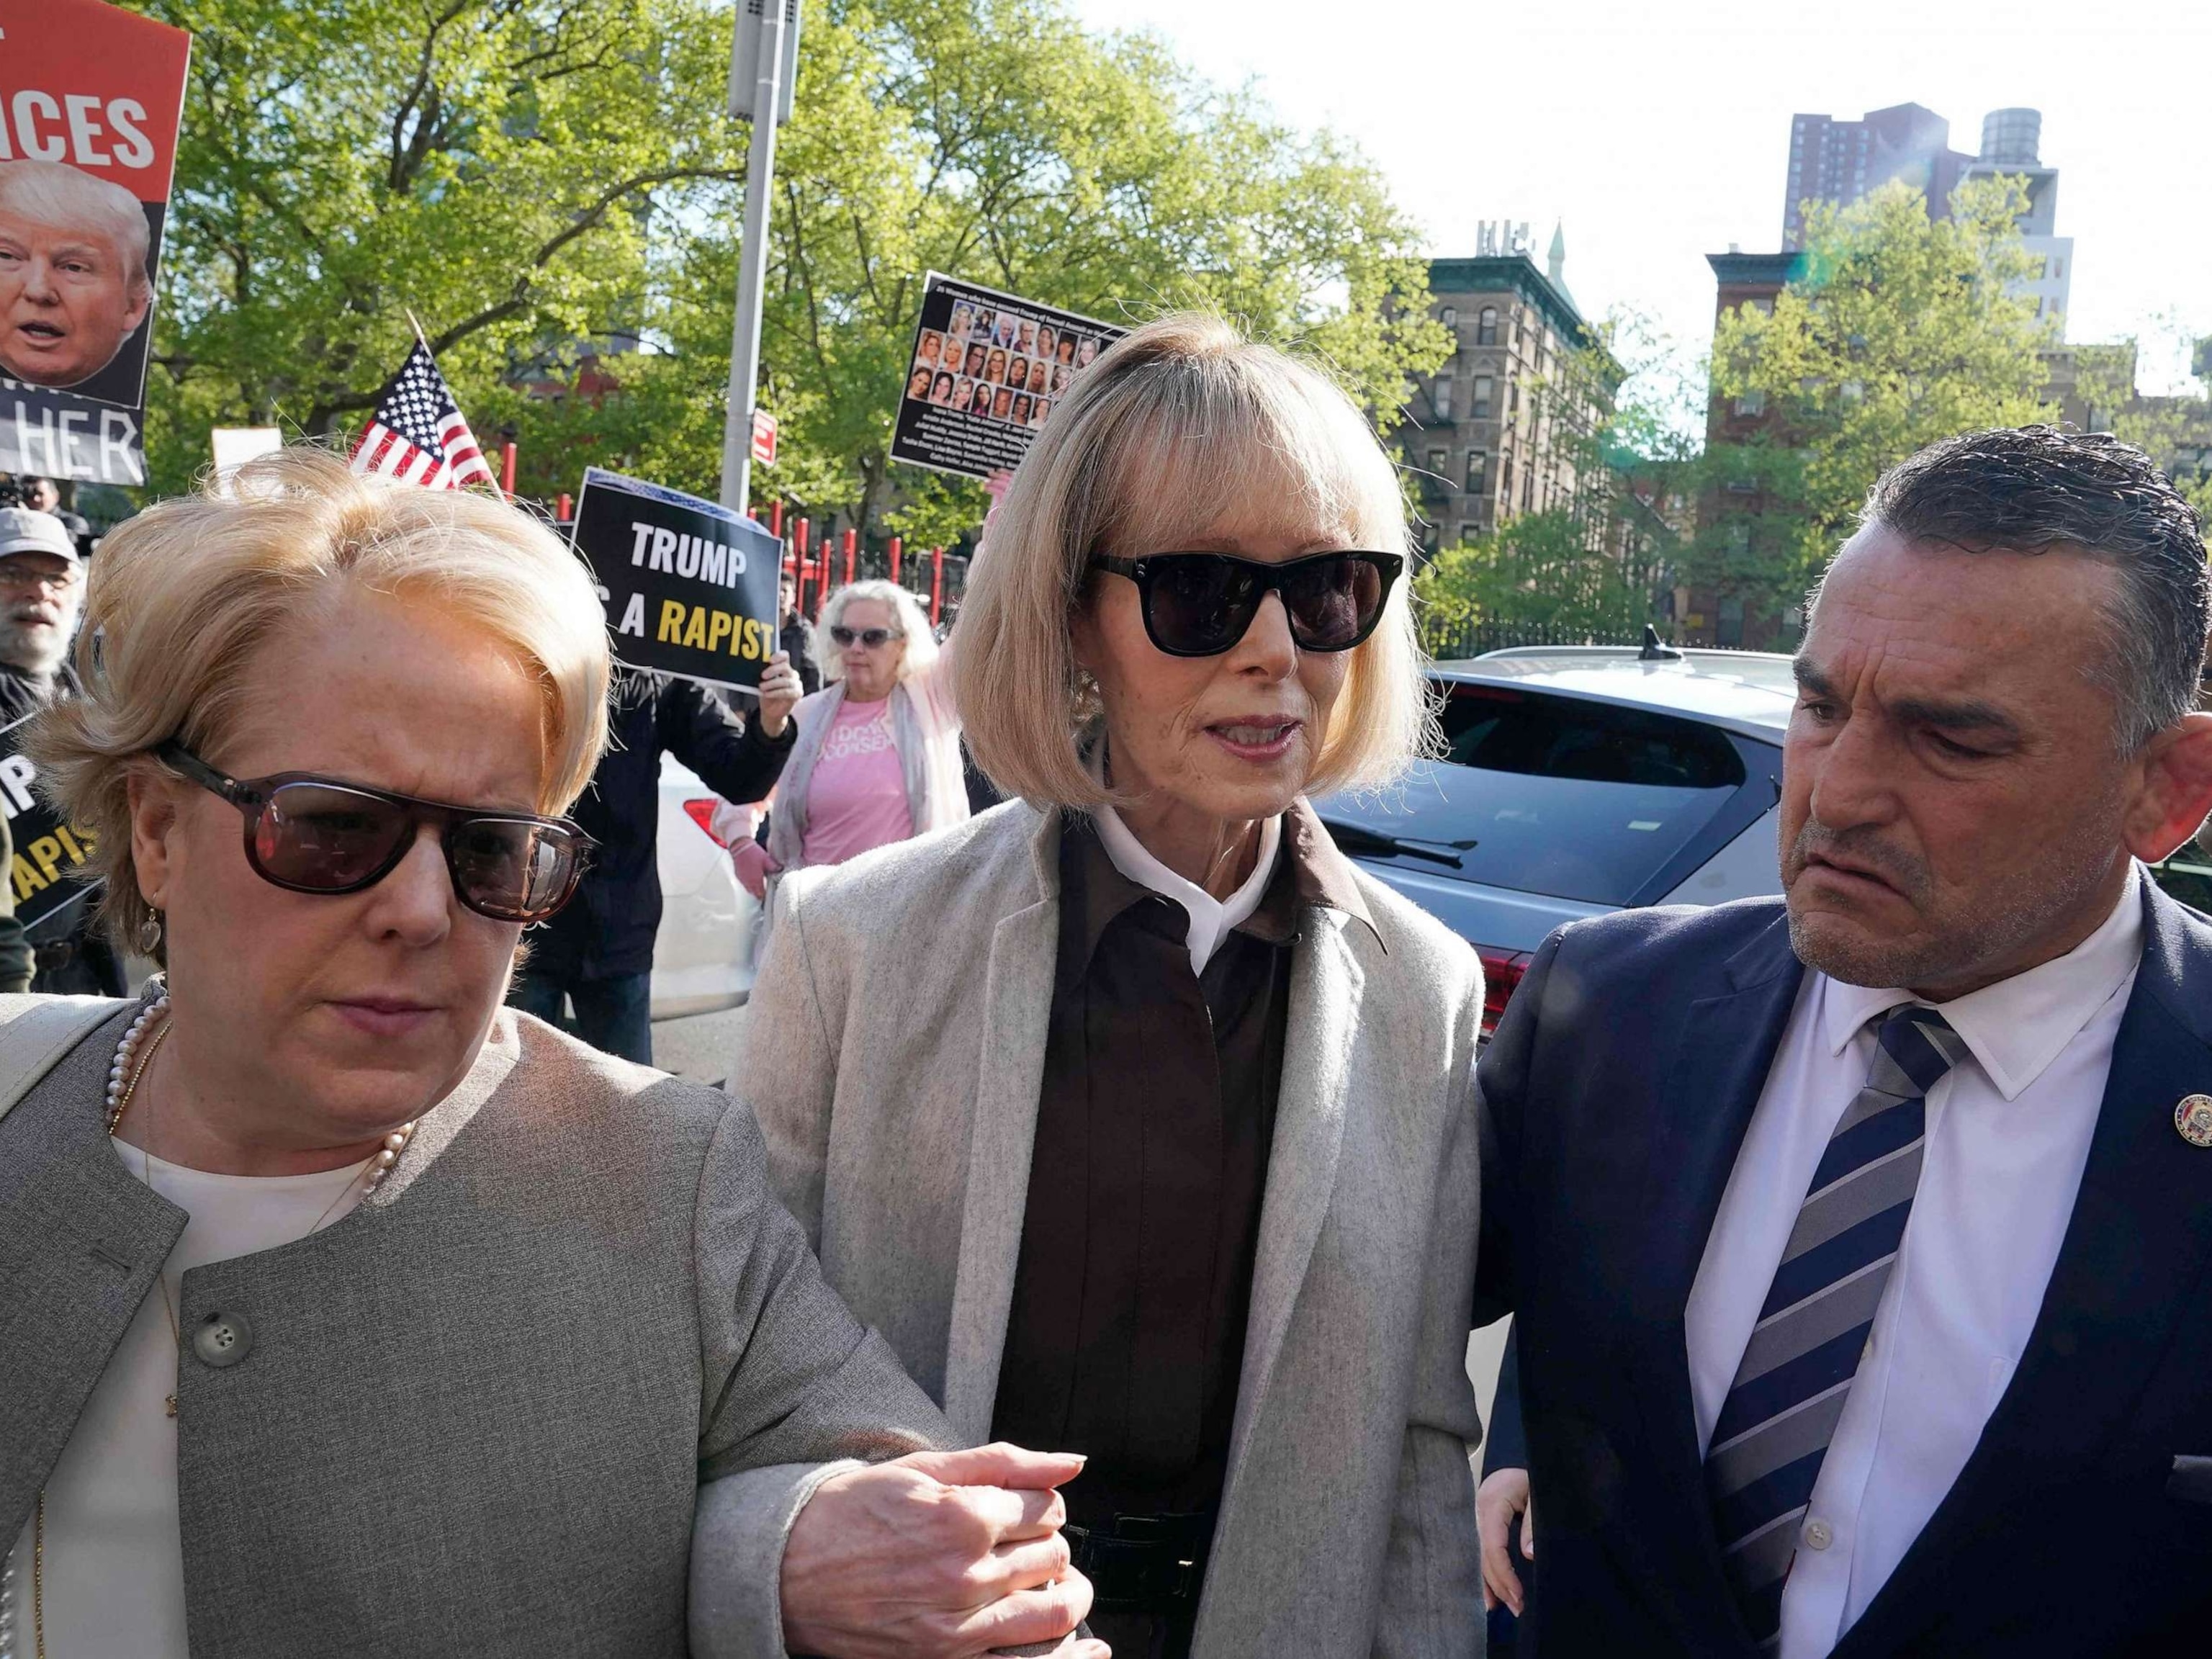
2007,1137
1212,919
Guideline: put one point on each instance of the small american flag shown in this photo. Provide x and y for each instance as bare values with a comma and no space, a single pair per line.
418,434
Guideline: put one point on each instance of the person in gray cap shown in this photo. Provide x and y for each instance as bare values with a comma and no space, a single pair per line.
41,592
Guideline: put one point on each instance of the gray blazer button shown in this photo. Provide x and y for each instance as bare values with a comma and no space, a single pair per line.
224,1340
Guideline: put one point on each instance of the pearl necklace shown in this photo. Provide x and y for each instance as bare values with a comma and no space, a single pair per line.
123,1078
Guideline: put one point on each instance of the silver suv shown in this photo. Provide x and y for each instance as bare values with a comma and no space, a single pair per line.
1578,780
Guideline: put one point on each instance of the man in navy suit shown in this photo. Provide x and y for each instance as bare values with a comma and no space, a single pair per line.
1860,1243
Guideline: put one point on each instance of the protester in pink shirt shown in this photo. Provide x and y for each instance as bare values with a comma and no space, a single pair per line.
877,758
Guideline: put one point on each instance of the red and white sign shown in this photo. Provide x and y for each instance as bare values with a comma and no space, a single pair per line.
763,437
91,97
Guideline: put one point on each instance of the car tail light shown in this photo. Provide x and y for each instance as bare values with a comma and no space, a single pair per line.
1502,972
702,814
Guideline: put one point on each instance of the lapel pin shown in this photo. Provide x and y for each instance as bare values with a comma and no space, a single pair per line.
2193,1117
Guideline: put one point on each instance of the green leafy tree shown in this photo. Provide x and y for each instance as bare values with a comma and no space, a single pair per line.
2175,430
534,177
1537,574
998,141
496,167
1901,331
1589,566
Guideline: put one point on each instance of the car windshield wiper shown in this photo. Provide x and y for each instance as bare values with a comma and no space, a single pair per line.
1353,838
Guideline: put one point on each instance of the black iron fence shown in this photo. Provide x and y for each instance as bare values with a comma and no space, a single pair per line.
1472,640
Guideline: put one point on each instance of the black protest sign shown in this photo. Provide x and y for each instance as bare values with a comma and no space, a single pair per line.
51,856
987,370
689,587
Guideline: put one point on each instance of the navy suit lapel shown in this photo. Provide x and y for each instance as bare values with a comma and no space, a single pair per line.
1728,1043
2139,1237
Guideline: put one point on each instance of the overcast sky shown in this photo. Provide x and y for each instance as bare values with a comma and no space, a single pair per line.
1658,130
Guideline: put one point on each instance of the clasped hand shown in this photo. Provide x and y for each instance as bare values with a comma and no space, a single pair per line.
937,1555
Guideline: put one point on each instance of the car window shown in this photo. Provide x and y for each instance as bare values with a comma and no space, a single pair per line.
1563,796
1499,730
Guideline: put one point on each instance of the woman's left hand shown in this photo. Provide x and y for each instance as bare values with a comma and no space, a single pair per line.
935,1555
779,693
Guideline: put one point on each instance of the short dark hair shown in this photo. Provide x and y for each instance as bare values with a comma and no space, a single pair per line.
2030,489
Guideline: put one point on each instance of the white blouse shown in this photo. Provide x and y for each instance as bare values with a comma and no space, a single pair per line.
114,1572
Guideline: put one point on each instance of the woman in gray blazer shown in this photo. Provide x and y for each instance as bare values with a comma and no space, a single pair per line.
344,1311
1135,1116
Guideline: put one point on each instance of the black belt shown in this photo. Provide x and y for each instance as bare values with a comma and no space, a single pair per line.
1143,1562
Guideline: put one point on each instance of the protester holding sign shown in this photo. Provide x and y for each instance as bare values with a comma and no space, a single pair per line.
41,592
691,600
597,953
878,758
16,965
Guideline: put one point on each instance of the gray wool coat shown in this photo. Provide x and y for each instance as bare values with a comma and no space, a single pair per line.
895,1049
566,1376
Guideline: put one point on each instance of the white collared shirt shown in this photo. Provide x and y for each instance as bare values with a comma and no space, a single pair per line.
2007,1137
1210,919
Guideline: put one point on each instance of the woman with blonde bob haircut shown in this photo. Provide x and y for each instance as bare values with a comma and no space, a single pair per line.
348,1311
1137,1117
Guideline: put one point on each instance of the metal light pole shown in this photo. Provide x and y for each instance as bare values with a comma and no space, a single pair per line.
767,102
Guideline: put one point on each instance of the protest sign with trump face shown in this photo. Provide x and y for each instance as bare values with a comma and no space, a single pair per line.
74,283
90,100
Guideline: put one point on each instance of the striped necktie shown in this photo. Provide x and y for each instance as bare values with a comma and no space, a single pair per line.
1790,1389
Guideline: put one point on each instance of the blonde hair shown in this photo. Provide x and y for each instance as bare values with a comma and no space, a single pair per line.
184,597
1184,425
913,625
61,198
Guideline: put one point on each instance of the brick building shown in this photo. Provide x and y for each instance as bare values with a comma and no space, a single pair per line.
1498,429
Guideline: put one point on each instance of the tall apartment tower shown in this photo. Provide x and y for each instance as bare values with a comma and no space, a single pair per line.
2010,141
1840,161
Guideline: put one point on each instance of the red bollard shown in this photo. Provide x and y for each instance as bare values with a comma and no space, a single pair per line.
852,551
775,519
507,468
798,548
894,558
936,585
561,511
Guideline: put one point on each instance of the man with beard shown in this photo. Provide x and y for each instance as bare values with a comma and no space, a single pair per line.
41,591
1860,1242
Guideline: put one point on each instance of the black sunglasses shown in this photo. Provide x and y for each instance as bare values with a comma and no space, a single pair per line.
871,637
314,834
1201,605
